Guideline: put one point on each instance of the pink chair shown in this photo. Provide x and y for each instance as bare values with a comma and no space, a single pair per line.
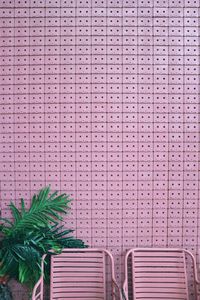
157,274
79,274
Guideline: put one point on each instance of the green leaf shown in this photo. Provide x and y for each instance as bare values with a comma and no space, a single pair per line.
6,221
23,210
35,231
43,210
15,212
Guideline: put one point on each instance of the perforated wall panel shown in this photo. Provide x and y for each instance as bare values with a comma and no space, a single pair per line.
100,99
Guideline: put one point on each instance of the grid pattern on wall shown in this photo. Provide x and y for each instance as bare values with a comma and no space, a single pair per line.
100,98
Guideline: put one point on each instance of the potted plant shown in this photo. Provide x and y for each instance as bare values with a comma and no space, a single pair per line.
31,233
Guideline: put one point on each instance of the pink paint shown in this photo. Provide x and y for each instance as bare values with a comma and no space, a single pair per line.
100,100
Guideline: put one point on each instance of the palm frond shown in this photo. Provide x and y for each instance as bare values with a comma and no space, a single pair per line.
15,212
6,221
23,209
44,209
32,233
8,263
21,262
5,227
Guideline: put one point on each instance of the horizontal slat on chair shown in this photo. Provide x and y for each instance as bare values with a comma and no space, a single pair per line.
69,277
78,254
161,285
165,297
74,275
152,279
80,284
156,275
78,259
87,289
87,277
170,296
157,270
77,293
77,264
154,263
157,254
71,269
160,290
76,298
64,297
158,259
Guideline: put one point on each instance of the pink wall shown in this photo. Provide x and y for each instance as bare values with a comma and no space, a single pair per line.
100,99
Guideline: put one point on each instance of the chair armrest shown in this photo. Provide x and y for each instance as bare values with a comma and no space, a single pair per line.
38,289
195,273
116,290
124,291
123,295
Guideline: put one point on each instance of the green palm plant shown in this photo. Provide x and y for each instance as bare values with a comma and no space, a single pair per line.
33,232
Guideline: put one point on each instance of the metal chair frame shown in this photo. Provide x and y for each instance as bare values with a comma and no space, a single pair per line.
59,287
149,284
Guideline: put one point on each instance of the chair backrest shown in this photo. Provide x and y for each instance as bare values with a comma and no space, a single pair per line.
79,274
157,274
